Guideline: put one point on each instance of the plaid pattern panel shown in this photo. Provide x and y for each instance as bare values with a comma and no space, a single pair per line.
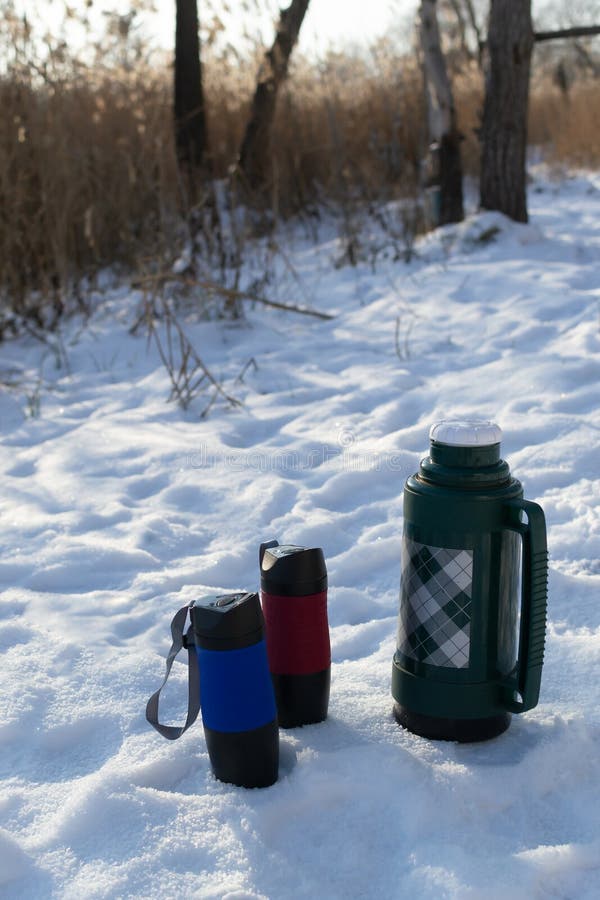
435,604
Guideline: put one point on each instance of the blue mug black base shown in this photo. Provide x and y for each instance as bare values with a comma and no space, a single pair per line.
302,699
465,731
247,759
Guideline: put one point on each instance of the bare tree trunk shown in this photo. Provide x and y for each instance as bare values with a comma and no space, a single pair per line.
441,117
190,124
462,28
255,153
504,131
476,30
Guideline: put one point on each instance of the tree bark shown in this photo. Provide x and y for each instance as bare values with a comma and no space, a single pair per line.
255,152
190,123
504,131
443,132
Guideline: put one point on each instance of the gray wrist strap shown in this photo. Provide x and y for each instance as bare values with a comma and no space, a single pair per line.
171,731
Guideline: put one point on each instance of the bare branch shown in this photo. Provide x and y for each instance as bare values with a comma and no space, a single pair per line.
229,293
581,31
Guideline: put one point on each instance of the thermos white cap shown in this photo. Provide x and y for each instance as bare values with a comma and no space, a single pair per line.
457,433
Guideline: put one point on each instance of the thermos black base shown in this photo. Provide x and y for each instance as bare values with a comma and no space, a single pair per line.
302,699
462,730
247,759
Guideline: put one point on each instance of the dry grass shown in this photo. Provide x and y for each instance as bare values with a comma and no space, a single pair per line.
350,125
87,177
567,126
564,127
88,174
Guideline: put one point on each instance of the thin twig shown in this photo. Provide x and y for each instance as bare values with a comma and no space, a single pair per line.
250,364
187,372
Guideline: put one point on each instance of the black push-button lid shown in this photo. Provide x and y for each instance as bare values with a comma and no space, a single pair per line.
226,621
292,570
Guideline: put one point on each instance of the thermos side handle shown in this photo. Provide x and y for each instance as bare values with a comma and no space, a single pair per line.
534,593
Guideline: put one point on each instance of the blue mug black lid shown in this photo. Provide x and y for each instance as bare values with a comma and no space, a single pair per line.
227,621
291,570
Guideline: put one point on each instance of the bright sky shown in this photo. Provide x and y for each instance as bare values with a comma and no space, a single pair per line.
328,23
343,21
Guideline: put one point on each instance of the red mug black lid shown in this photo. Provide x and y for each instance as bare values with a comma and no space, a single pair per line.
291,570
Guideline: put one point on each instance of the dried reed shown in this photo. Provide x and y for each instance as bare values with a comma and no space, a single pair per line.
88,175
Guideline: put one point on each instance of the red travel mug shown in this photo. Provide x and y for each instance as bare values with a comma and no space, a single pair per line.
293,583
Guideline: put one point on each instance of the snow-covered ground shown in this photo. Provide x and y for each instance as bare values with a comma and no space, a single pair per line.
117,508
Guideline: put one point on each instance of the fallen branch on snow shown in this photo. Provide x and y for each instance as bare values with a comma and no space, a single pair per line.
230,293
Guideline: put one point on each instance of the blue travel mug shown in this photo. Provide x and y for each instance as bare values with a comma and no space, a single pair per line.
236,693
229,680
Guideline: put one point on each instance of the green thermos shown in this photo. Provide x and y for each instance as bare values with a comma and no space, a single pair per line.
473,592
